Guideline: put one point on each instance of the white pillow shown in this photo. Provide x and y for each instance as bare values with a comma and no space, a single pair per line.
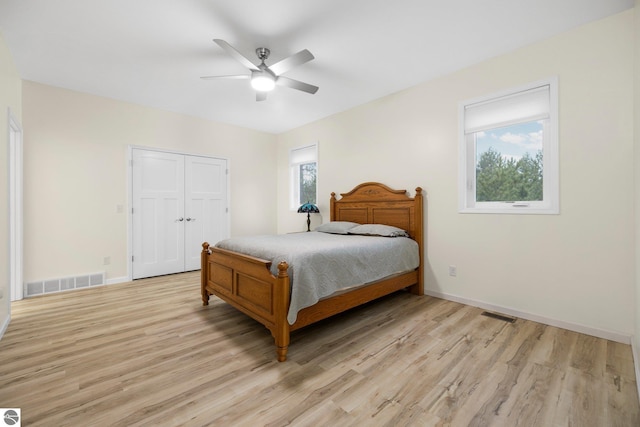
336,227
378,230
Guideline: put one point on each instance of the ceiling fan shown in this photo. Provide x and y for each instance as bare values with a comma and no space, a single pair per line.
264,78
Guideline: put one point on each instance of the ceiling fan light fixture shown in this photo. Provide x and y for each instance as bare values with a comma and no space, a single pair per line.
263,82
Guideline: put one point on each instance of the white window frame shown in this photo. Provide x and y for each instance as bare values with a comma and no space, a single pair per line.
467,157
298,156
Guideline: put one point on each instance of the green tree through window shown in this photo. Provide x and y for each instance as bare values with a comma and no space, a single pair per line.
509,163
308,183
508,180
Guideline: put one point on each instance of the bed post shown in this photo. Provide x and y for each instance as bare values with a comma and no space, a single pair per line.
332,207
418,288
204,273
282,296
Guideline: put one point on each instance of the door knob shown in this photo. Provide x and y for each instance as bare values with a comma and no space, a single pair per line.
179,219
191,219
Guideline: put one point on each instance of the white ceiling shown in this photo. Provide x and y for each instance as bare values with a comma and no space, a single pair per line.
152,52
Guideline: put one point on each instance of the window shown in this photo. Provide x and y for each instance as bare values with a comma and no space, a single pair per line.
509,152
303,163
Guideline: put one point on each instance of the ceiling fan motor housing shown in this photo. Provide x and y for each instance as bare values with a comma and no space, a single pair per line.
263,53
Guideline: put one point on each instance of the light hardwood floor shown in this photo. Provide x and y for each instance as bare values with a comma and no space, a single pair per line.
148,353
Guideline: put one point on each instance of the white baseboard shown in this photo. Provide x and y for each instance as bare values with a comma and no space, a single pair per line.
599,333
115,280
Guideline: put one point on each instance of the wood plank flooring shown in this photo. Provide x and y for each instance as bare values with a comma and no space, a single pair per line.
148,354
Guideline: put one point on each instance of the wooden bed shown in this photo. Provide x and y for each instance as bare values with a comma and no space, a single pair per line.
247,283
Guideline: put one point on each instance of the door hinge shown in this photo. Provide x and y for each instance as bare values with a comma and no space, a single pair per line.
131,211
132,258
226,210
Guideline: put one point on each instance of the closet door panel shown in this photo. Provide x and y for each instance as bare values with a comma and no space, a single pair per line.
158,213
205,205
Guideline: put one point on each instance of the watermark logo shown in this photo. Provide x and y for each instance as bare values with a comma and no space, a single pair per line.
10,417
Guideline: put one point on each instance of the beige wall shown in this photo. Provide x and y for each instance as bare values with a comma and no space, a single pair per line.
75,169
10,98
576,268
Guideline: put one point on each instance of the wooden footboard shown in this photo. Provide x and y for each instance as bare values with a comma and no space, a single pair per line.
247,284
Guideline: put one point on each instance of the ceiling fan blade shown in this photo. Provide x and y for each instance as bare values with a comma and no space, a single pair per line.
238,76
235,54
261,96
291,62
295,84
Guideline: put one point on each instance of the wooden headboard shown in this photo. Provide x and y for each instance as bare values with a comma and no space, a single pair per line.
375,203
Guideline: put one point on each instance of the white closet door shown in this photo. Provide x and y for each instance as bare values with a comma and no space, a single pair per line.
205,206
158,213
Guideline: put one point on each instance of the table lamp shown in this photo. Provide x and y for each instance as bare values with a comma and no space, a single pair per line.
308,208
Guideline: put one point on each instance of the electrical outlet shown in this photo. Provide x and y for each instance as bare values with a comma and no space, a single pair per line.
453,271
107,260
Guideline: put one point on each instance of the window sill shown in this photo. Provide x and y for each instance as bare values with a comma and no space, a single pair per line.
511,211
